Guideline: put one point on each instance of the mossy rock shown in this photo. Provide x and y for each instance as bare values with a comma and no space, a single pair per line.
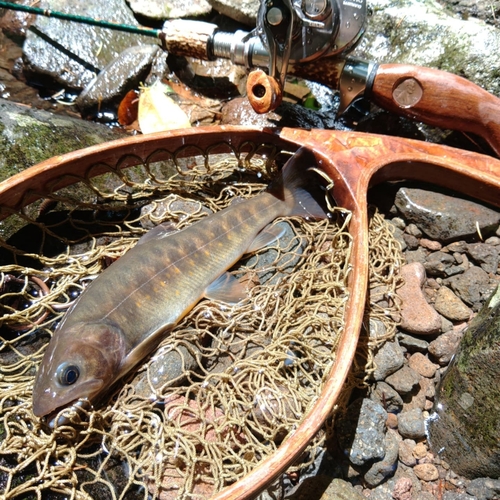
465,425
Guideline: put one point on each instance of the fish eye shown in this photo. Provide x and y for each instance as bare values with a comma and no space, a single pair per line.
68,374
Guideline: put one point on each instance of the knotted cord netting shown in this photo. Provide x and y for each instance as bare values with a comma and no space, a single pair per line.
226,387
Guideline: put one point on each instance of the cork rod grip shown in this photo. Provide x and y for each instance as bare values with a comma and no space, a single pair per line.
438,98
188,38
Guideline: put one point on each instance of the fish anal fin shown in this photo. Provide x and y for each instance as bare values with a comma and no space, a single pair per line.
267,236
226,288
160,231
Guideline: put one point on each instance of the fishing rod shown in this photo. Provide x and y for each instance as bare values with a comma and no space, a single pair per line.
81,19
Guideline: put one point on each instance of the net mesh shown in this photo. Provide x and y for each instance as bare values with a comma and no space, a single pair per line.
227,386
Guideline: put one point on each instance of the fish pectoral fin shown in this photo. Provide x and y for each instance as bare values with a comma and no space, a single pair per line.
267,236
160,231
226,288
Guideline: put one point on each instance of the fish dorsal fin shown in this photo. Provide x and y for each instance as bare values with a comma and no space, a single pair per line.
267,236
226,288
159,231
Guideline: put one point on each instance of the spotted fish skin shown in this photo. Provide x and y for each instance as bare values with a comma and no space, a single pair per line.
126,311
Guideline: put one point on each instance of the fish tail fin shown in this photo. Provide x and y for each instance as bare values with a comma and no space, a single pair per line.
290,186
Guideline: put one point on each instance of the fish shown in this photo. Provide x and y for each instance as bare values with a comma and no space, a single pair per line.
124,314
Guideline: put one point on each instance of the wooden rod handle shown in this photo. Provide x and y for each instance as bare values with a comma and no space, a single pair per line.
438,98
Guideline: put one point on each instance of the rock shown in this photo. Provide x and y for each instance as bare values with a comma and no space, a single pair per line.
406,456
412,344
446,325
422,365
444,217
426,472
411,424
29,136
376,329
420,451
417,316
411,242
434,37
454,495
438,263
105,92
450,306
392,421
471,286
425,495
71,58
484,488
238,111
403,489
466,420
269,268
385,395
169,9
385,467
418,255
444,347
484,255
398,234
243,11
433,246
169,367
388,359
338,489
493,240
404,380
413,230
361,431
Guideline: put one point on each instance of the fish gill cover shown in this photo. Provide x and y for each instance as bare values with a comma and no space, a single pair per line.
226,387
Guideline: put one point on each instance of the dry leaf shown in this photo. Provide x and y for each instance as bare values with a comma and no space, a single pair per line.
158,112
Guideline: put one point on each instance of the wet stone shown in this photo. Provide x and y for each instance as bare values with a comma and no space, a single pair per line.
404,381
388,359
171,9
450,306
387,466
168,366
125,72
411,424
87,49
417,316
243,11
361,431
445,218
484,255
389,398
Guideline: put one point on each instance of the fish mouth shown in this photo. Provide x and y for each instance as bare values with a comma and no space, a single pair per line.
74,413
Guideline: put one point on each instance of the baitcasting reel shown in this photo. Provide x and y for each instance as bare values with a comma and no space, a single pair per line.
288,33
